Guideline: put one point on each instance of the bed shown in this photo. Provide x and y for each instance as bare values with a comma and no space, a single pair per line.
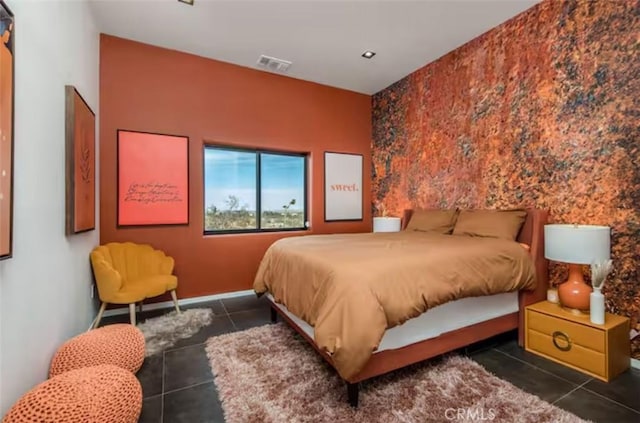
362,333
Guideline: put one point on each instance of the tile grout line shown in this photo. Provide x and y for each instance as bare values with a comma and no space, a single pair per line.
224,308
171,350
589,379
191,386
226,314
611,400
229,316
566,380
571,391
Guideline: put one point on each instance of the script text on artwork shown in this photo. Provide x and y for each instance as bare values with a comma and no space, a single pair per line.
152,192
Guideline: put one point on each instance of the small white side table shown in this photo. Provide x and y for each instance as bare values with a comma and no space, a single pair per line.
386,224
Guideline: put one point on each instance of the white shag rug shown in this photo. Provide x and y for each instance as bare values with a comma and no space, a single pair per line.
164,331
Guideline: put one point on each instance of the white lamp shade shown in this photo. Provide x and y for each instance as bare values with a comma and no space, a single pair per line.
577,244
386,224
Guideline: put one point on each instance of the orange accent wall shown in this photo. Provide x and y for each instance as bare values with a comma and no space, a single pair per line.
541,111
151,89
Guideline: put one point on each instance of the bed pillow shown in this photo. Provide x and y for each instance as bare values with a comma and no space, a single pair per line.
441,221
504,224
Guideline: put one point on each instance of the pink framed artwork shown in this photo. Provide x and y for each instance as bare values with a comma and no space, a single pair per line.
153,179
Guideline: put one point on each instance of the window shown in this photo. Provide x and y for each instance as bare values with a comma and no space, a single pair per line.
253,191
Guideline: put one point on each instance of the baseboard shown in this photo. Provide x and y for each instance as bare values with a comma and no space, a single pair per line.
635,363
183,301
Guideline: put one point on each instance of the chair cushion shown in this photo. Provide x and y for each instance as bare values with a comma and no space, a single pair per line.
104,393
121,345
151,286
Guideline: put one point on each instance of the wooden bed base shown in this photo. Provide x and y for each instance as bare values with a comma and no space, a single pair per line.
532,233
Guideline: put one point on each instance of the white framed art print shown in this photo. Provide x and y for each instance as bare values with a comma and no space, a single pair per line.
342,186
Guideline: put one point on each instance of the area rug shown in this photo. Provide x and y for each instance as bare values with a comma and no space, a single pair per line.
270,374
164,331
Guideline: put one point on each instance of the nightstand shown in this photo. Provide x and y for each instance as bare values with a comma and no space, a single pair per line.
601,351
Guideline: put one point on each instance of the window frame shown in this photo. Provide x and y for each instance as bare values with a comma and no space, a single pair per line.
258,152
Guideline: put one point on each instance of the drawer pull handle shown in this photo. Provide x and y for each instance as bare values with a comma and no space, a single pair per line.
564,339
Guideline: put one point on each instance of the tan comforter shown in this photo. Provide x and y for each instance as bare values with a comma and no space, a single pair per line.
352,287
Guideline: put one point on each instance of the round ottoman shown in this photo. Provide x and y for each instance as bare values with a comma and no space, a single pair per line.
104,393
121,345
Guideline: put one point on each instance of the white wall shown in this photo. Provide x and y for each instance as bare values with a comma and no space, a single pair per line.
46,285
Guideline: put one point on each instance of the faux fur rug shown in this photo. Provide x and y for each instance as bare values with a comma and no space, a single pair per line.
164,331
270,374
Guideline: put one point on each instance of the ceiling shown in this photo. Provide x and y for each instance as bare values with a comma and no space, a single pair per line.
323,38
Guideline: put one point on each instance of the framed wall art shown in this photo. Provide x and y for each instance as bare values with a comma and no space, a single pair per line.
343,194
7,67
153,179
80,164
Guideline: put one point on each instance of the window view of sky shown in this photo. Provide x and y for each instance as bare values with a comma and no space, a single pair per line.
234,173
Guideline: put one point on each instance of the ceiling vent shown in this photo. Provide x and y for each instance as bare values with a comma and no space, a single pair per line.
273,64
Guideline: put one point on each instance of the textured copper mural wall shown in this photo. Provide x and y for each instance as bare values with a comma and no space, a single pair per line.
542,111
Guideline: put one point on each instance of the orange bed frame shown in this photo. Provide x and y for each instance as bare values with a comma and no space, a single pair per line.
532,233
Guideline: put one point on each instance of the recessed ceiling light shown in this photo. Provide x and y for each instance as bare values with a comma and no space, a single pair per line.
368,54
189,2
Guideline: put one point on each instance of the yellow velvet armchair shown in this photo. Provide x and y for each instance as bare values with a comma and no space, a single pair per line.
127,273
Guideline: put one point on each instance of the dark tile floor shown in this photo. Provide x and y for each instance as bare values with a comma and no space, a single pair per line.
178,386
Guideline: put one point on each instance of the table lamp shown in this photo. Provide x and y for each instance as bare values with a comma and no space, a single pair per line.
576,245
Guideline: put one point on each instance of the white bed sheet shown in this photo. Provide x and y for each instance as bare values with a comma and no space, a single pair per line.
438,320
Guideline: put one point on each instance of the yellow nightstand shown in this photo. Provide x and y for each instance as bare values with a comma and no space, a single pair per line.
601,351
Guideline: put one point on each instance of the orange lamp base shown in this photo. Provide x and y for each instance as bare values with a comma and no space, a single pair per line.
574,293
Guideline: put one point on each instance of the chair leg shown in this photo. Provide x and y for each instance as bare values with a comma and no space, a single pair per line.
175,300
132,313
140,307
99,316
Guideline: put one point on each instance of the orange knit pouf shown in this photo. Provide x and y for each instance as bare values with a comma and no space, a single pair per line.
121,345
98,394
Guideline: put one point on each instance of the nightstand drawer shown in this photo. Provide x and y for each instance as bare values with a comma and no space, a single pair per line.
585,336
567,352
